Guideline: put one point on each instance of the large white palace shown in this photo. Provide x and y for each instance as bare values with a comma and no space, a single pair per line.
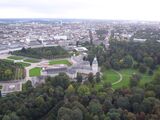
78,66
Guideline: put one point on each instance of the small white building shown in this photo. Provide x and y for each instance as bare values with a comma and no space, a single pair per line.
139,40
57,37
17,61
81,49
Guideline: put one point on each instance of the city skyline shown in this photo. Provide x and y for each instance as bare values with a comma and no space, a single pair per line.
81,9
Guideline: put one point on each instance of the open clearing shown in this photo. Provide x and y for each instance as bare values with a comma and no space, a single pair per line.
111,76
126,75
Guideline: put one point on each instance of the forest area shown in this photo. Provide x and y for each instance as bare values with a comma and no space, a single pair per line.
11,71
43,52
59,98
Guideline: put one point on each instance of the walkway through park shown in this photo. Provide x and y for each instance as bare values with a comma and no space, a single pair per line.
120,78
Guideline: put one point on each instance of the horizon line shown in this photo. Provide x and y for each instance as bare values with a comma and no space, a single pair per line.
100,19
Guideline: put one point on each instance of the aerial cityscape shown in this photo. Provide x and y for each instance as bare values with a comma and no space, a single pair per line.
79,60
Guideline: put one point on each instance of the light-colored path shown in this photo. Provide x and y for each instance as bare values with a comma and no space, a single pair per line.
118,81
33,65
39,64
120,78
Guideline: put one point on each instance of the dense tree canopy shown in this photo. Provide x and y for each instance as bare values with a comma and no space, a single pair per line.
11,71
44,52
122,54
66,100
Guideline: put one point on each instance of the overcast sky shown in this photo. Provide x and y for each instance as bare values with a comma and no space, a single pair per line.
94,9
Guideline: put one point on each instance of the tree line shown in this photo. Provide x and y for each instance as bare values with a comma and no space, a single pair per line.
43,52
121,54
61,99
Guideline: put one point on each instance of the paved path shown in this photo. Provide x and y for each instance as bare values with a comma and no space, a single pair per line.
33,65
118,81
120,78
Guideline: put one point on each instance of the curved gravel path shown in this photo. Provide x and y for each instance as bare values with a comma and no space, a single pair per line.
120,78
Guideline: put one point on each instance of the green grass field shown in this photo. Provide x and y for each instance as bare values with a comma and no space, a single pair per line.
31,60
127,73
111,76
54,62
15,57
35,72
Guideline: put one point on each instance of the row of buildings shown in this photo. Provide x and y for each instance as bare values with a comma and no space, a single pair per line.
18,35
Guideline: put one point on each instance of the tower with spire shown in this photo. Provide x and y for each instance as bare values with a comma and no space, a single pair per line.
91,37
95,65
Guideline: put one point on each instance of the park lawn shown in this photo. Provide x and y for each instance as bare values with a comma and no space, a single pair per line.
127,73
54,62
109,76
31,60
23,64
35,72
15,57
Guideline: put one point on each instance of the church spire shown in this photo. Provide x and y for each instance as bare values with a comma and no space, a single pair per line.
95,65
